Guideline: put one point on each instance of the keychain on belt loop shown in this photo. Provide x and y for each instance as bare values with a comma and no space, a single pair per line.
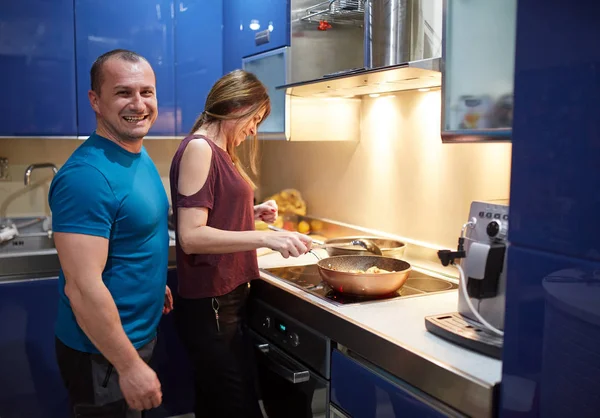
215,307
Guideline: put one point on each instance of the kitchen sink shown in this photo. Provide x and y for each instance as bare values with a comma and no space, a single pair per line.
26,243
34,234
32,251
29,255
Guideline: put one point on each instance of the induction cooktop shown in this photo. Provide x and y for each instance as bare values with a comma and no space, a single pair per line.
308,278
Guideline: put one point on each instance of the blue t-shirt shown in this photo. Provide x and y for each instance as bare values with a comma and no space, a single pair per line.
106,191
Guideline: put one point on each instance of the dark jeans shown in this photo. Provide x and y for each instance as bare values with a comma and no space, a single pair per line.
221,354
93,384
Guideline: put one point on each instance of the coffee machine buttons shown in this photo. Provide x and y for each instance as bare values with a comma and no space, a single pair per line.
493,215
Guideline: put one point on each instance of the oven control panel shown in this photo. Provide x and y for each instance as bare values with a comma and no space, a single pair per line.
280,330
290,336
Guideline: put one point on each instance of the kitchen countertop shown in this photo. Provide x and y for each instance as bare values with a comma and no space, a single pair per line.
28,265
400,322
390,334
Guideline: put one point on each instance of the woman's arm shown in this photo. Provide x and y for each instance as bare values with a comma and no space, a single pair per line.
195,237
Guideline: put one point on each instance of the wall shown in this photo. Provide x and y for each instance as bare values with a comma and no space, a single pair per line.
399,178
18,200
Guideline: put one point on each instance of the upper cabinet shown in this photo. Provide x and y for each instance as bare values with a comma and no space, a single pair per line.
253,26
47,49
37,57
478,70
199,57
138,25
271,68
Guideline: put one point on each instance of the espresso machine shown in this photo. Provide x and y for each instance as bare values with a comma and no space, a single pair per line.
481,260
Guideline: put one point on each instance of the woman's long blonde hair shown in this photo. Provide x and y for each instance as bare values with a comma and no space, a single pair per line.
238,91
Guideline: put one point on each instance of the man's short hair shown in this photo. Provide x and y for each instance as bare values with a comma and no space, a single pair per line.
96,75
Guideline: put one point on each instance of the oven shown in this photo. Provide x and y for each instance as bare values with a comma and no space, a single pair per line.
293,358
293,364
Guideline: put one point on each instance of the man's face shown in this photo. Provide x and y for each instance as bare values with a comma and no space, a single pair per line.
127,105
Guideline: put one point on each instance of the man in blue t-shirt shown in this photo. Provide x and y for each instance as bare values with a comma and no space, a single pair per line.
110,213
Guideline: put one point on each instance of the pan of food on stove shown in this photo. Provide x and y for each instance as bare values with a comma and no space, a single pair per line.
364,275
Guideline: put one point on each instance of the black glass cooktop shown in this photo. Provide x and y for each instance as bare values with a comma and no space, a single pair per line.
308,278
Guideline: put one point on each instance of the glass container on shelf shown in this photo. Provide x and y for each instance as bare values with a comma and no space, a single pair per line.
478,70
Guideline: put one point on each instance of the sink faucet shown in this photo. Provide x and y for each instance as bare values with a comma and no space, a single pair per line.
32,167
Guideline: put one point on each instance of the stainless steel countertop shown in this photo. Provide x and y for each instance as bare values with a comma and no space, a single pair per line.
459,390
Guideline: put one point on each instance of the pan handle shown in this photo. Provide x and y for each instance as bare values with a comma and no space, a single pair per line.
315,254
316,242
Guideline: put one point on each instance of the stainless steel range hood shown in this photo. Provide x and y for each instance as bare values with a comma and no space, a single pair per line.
409,76
401,52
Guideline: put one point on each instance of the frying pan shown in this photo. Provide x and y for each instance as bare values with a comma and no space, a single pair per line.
340,246
358,245
335,272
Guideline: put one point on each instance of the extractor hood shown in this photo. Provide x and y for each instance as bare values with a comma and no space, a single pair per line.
399,49
422,74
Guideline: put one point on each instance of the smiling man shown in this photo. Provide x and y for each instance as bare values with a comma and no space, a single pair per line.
110,213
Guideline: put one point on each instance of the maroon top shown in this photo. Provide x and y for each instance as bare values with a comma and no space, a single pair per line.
229,200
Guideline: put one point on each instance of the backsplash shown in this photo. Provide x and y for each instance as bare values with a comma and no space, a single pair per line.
399,178
18,200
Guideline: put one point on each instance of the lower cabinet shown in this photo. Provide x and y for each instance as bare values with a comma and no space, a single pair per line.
30,383
360,390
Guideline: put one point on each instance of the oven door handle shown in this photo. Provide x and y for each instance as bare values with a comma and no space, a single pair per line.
277,363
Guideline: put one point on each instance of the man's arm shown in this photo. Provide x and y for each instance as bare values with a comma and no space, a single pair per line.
82,258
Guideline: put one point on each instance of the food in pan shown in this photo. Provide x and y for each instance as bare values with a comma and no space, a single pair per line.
370,270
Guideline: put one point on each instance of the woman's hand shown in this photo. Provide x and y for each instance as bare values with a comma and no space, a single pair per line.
266,212
288,243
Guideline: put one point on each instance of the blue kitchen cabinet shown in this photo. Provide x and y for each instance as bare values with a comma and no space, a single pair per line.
243,19
552,334
552,323
30,383
37,58
199,57
138,25
363,391
554,191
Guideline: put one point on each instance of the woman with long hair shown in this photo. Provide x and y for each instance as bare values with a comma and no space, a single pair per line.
214,215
